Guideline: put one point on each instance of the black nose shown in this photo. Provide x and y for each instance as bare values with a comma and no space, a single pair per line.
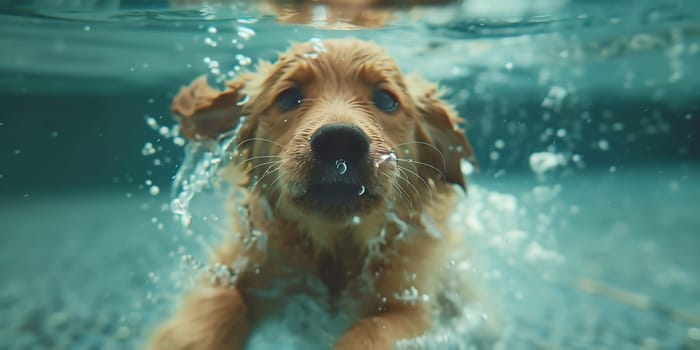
339,141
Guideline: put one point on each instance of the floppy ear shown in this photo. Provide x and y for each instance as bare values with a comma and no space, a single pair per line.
437,126
205,113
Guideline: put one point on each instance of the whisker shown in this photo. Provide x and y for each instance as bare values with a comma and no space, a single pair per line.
256,139
268,172
405,178
442,156
398,195
413,161
415,173
273,162
403,195
247,160
279,176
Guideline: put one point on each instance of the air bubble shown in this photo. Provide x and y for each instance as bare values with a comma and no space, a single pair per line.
466,166
242,101
245,33
210,42
356,220
541,162
391,157
361,191
243,60
341,166
148,149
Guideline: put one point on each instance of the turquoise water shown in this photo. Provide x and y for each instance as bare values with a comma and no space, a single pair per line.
583,215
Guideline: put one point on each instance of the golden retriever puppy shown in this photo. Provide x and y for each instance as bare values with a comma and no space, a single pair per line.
349,170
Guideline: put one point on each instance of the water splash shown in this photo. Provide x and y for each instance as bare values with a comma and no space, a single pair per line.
199,171
389,157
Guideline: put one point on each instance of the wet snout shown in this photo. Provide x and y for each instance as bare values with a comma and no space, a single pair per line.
340,169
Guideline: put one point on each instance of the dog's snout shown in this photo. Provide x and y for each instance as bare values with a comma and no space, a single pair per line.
339,141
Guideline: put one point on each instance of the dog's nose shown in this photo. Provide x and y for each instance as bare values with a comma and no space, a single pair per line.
339,141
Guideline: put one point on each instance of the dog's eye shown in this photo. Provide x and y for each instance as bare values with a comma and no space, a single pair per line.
385,101
290,98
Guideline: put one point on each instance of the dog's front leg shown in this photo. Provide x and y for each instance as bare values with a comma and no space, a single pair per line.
382,330
211,318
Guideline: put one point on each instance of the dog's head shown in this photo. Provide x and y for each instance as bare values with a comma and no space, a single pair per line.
333,129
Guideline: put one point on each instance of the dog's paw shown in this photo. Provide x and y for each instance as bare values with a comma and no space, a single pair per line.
210,319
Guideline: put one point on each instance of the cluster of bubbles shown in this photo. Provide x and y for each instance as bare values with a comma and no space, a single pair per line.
243,34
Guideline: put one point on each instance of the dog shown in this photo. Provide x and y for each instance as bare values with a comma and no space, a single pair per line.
349,170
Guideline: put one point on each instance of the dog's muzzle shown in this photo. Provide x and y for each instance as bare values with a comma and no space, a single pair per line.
340,169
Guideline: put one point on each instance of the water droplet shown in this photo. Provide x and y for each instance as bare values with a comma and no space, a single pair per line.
361,191
341,167
242,101
154,190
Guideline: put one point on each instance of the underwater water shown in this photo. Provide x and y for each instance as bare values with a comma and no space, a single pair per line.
583,216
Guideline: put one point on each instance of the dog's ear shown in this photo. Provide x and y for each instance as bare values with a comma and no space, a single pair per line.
205,113
438,126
